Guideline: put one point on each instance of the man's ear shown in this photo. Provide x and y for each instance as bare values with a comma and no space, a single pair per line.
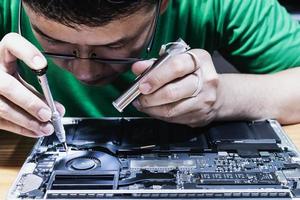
164,6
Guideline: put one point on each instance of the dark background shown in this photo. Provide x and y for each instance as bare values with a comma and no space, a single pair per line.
291,5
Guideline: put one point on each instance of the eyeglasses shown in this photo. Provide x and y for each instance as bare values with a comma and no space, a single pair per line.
62,59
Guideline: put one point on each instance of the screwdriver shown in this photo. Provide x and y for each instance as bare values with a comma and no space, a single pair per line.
55,118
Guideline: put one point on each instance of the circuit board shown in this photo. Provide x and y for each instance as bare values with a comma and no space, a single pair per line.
146,158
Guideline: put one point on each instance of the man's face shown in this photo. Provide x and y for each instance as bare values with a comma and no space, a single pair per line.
119,39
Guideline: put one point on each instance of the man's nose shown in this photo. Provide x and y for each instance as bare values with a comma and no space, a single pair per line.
84,70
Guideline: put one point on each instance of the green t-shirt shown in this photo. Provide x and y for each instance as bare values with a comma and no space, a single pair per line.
257,36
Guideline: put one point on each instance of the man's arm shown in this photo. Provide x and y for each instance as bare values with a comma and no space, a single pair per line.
258,37
246,96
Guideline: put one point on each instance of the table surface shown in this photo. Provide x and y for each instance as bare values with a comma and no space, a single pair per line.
14,150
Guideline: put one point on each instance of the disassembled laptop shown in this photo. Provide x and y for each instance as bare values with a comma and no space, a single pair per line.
143,158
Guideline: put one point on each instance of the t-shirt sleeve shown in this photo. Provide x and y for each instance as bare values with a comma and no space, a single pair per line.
258,36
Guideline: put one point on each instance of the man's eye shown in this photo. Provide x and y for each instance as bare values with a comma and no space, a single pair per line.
51,42
116,47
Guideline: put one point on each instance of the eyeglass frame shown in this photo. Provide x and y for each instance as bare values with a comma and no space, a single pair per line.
101,60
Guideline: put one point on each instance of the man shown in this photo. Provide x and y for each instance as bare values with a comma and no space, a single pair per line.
92,45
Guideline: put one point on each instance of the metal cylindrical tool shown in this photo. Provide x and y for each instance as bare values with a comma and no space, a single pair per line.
133,92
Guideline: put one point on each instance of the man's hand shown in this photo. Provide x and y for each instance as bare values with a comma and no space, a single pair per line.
183,90
22,111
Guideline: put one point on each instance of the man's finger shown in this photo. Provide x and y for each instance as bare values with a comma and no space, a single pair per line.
174,109
140,66
14,46
14,128
173,92
60,108
193,119
19,117
174,68
20,95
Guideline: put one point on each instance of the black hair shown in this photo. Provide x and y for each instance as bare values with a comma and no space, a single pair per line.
91,13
